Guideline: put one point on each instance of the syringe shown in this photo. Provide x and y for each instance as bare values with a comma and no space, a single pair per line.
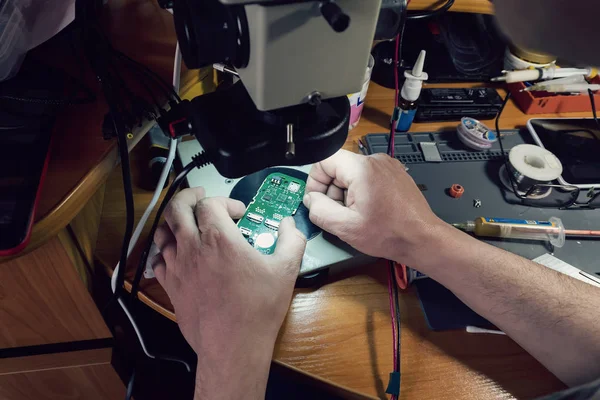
552,231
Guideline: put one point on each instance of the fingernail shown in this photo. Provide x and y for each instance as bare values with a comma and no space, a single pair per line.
306,200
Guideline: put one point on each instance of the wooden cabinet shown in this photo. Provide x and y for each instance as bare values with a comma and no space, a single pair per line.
43,300
53,341
75,375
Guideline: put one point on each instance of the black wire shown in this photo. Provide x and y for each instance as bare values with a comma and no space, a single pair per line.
99,53
593,102
77,85
146,84
170,90
400,38
431,14
170,193
129,393
129,206
198,161
105,51
100,63
141,70
120,81
504,102
127,239
48,101
504,155
403,19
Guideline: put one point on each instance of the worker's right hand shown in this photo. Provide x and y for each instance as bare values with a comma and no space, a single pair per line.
230,300
372,204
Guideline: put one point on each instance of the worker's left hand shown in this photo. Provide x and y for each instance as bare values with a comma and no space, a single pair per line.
230,300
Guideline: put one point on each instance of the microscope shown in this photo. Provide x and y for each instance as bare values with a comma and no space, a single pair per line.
294,64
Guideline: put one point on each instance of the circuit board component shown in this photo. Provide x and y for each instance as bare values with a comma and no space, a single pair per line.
278,197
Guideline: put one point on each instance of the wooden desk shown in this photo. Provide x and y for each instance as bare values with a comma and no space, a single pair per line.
340,333
43,289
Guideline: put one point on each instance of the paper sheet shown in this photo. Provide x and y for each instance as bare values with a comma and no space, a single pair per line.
554,263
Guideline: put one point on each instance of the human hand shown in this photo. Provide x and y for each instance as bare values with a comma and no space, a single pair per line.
230,300
372,204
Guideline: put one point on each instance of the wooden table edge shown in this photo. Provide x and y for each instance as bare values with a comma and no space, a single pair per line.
323,380
148,301
73,202
466,6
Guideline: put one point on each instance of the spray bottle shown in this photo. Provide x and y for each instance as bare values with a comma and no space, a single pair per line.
411,90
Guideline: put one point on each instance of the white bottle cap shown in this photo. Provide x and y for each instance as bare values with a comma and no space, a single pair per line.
411,90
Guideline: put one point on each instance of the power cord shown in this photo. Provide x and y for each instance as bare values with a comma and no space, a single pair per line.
117,272
125,110
129,206
198,161
140,226
431,14
149,74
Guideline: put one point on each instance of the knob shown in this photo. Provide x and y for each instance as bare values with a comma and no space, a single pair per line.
335,17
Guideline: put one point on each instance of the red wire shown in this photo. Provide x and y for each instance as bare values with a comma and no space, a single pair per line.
392,145
393,313
401,275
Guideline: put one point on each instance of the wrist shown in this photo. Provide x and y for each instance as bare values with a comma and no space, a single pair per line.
431,246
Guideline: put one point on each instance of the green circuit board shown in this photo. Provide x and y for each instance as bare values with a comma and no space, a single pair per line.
278,197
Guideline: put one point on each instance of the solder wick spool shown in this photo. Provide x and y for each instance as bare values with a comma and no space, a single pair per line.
531,165
475,135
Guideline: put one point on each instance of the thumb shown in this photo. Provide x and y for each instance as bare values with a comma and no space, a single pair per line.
291,244
328,214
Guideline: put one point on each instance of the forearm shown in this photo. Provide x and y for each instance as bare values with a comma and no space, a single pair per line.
554,317
239,374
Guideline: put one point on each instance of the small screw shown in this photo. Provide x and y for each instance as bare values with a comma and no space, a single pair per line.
229,181
477,203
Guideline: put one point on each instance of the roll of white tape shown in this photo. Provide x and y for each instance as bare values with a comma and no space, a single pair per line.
535,163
